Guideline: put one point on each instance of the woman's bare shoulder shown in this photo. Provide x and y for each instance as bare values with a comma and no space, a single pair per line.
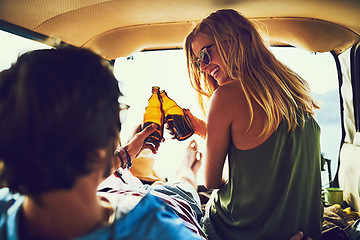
229,93
229,101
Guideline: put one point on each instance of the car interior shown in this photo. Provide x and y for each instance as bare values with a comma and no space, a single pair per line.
120,31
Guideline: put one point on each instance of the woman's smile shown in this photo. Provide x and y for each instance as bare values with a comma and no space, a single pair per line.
215,67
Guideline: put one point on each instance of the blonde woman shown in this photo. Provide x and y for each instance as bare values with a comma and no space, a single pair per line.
259,117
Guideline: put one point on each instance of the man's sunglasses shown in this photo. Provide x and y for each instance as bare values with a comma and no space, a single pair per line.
204,56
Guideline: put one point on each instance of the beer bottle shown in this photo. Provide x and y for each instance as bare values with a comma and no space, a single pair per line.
154,114
177,121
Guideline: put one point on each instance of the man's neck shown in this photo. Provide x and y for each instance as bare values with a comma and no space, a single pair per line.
64,214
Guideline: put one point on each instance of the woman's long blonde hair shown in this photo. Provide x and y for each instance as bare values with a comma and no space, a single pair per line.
279,91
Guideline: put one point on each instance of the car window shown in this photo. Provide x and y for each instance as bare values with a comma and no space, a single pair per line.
319,70
12,46
167,70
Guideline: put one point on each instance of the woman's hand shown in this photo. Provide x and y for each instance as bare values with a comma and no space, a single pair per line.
198,124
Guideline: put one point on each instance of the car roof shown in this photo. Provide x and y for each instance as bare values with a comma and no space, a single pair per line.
120,28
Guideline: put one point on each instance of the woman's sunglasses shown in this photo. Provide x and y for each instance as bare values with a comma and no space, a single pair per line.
204,56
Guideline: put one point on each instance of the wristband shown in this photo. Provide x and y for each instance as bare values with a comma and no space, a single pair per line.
124,157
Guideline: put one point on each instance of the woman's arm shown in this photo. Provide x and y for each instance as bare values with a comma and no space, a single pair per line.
217,137
198,124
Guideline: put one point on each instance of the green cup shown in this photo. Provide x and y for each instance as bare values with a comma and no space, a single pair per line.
334,196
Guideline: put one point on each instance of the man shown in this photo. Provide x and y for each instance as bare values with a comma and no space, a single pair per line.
59,129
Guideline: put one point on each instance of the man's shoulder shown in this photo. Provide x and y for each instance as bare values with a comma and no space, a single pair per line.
9,202
9,206
150,219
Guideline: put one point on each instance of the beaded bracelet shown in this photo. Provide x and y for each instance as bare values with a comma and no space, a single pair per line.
124,157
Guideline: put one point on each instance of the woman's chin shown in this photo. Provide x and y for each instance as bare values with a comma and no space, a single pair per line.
223,82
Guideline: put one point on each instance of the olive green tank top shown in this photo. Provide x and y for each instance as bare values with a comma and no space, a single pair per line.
274,190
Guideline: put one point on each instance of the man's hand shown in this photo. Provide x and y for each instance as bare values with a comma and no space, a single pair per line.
137,144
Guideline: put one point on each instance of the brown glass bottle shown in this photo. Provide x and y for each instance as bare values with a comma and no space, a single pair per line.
178,122
154,114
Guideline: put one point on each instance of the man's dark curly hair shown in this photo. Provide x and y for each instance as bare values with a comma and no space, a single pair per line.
57,108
